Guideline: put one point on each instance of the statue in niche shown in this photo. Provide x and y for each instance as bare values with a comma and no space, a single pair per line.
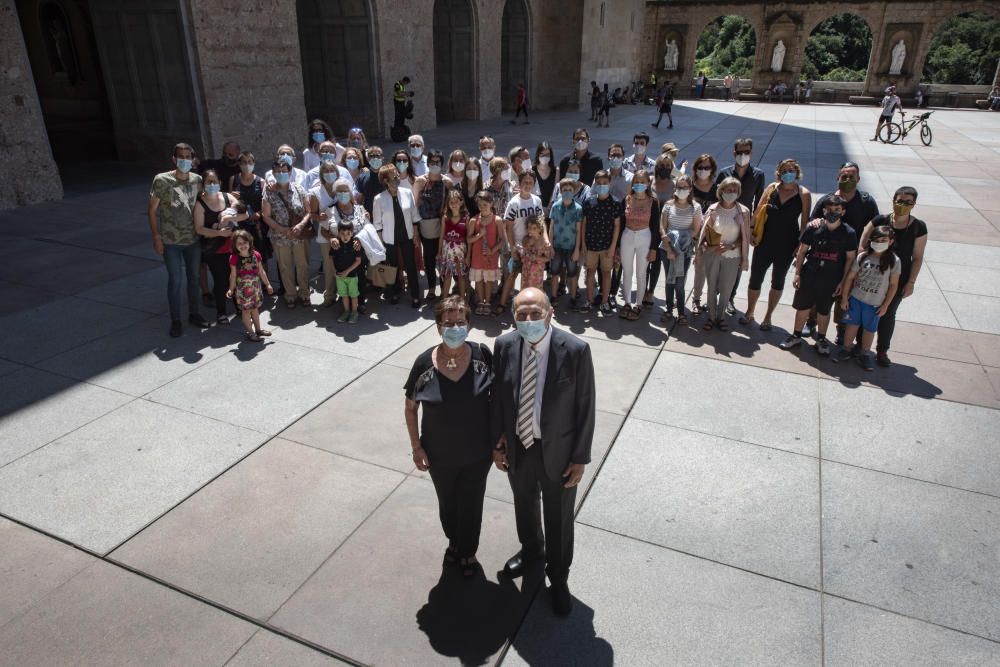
898,56
778,58
670,57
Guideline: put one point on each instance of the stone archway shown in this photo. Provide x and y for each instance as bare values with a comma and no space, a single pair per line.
454,60
515,51
848,62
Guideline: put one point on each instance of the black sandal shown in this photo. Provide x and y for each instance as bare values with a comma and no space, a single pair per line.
722,325
707,326
450,557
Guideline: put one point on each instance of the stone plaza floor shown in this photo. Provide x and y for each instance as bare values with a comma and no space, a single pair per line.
209,501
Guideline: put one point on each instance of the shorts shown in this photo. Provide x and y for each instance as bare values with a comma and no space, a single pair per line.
815,290
484,275
665,107
600,258
347,286
563,259
861,314
778,260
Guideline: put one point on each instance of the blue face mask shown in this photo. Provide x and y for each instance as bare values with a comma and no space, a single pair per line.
183,165
454,336
639,187
375,162
401,167
531,330
330,176
328,157
416,151
344,197
602,190
567,196
282,178
788,177
318,137
287,159
352,163
616,162
573,177
213,188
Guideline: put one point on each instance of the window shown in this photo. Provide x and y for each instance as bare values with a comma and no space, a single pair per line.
602,13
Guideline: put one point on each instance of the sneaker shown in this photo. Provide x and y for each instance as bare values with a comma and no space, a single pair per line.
344,316
176,329
790,342
731,309
823,347
866,362
613,302
807,331
696,307
583,306
842,354
353,319
882,359
199,321
606,309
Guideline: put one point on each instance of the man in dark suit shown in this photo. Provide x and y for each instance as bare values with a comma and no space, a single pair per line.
543,424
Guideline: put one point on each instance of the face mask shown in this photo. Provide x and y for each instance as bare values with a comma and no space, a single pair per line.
183,165
487,153
544,159
682,194
352,163
832,217
328,157
282,178
434,169
472,174
703,173
880,246
847,184
355,143
213,188
344,197
640,149
616,162
742,160
505,174
902,209
729,197
639,187
525,165
375,162
567,195
582,144
454,336
573,177
602,190
401,167
531,330
416,151
247,167
318,137
788,177
330,176
458,167
287,159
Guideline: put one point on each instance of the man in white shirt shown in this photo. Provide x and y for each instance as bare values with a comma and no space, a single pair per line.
639,159
890,104
327,153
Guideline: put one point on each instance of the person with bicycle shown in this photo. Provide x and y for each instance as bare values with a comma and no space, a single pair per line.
890,104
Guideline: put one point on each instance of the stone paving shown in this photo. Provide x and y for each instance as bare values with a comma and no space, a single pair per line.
208,501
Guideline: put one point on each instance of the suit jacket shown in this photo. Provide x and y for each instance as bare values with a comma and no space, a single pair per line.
567,415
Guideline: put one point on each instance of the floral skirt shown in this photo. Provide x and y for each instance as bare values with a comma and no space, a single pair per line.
248,293
452,262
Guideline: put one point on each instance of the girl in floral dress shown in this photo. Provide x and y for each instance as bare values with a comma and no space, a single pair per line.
451,260
246,272
534,252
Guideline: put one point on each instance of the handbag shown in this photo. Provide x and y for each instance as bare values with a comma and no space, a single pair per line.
760,217
381,275
310,230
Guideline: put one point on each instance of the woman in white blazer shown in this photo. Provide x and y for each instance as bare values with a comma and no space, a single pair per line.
395,214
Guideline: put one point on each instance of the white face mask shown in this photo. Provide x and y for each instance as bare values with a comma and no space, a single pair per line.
682,194
729,197
525,165
742,160
487,153
505,174
640,149
582,144
458,167
880,246
544,159
704,173
472,174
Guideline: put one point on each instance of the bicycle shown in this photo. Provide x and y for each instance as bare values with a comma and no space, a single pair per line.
892,132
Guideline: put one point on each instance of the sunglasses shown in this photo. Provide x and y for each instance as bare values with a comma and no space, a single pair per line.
905,202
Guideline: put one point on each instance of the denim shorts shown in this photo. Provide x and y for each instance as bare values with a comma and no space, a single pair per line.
861,314
563,259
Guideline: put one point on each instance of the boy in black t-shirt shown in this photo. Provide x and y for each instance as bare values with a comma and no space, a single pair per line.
822,264
347,262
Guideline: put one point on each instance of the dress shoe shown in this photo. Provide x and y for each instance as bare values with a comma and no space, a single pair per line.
199,321
176,329
562,603
519,563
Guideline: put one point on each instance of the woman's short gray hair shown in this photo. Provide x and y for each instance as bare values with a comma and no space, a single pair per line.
727,182
341,181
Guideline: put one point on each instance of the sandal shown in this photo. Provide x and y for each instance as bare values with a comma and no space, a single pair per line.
682,319
722,325
707,326
648,300
222,319
634,314
666,317
765,326
696,307
263,332
252,337
499,309
625,313
744,320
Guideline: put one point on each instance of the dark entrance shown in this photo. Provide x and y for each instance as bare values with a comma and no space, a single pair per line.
454,60
514,52
337,66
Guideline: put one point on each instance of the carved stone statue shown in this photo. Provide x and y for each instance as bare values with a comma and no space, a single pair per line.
898,56
778,58
670,57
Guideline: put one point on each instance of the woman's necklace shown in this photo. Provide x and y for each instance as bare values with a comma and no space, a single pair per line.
452,362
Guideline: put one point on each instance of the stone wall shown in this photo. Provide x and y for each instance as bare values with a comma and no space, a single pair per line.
611,45
28,174
247,53
556,40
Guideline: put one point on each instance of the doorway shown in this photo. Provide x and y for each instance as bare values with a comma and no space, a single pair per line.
454,60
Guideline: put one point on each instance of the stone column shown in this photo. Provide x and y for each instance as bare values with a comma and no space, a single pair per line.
489,18
28,173
405,38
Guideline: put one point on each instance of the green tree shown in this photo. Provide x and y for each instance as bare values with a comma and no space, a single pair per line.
726,45
839,49
964,51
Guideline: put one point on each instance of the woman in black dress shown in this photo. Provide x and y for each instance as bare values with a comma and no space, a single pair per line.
452,383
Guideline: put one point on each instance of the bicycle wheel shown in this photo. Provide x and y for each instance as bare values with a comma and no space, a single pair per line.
890,133
925,134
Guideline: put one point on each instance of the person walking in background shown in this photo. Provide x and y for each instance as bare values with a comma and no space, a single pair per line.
595,100
727,85
666,105
522,104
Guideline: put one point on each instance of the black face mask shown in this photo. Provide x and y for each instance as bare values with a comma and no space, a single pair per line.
662,172
233,162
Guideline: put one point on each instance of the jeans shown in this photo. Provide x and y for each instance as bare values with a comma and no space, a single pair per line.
183,261
677,289
634,249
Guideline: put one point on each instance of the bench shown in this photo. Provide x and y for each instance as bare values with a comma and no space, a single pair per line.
750,97
863,99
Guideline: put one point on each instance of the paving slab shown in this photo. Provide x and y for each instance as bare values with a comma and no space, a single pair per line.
252,537
40,407
267,649
145,291
940,342
107,616
97,486
856,634
971,280
763,407
424,615
743,505
32,565
963,254
638,604
974,312
276,384
919,549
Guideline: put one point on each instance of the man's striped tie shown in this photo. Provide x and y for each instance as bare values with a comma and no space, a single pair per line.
526,410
